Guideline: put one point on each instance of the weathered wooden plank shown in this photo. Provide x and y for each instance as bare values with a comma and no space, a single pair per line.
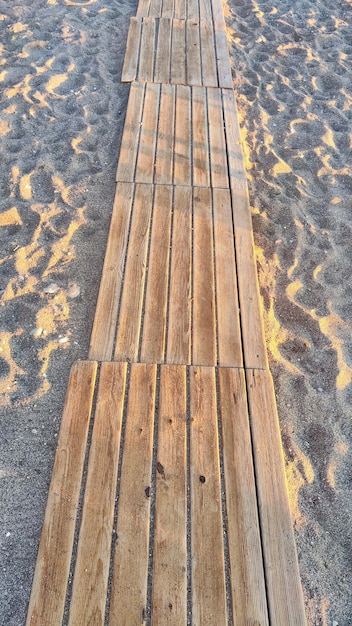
169,595
205,12
163,52
201,173
127,339
238,179
47,600
129,143
143,8
217,14
209,70
182,149
147,52
194,71
90,582
193,10
147,144
130,571
129,70
222,55
178,52
218,152
179,330
104,326
167,8
228,321
180,9
154,327
286,604
204,305
208,568
246,561
166,134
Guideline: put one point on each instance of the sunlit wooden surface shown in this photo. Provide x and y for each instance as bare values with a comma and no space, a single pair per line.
168,501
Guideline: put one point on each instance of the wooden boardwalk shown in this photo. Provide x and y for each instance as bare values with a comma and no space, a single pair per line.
168,501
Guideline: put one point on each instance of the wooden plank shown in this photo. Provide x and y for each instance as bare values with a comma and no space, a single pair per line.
205,11
286,603
209,71
166,135
146,153
238,179
154,327
169,590
201,174
204,305
222,55
104,326
163,52
129,70
146,57
52,570
127,339
178,52
155,8
194,72
208,578
180,10
130,573
193,10
167,9
218,152
182,149
129,143
218,14
228,323
179,330
91,574
143,8
246,561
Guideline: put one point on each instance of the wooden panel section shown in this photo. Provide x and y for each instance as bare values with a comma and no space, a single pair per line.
130,137
193,10
208,577
179,329
47,600
204,314
104,327
90,582
144,7
146,153
169,596
129,70
194,71
201,174
163,52
168,8
129,582
209,65
127,339
229,332
286,604
218,151
222,55
147,50
166,135
246,562
178,52
183,138
154,328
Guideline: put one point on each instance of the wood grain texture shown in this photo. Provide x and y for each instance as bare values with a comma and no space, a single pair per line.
228,322
48,595
147,51
90,582
201,171
246,561
166,136
105,320
208,569
144,7
169,595
154,327
285,598
146,152
129,582
193,55
127,338
178,52
204,305
163,52
217,141
130,137
183,138
209,68
222,55
179,329
130,65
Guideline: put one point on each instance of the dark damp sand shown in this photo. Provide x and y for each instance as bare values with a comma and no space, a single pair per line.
61,116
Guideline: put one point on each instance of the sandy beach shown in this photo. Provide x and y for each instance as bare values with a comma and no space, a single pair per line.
61,117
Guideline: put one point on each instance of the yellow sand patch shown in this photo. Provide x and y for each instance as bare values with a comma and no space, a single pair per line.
10,218
4,128
25,187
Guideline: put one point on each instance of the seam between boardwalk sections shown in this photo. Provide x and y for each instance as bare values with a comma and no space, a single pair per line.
229,427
